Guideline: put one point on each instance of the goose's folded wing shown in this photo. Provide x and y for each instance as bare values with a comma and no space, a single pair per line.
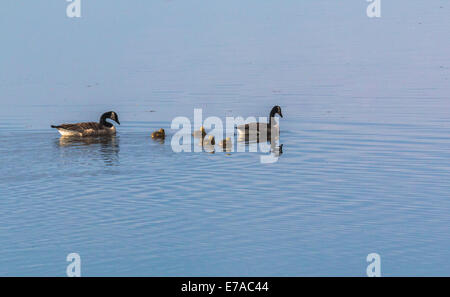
253,126
80,127
246,126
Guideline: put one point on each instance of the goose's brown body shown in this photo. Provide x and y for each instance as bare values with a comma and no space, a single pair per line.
85,129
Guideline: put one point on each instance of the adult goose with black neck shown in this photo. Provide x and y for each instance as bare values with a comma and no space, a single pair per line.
258,128
90,128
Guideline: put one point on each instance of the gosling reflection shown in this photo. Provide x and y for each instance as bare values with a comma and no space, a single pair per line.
209,149
107,147
159,140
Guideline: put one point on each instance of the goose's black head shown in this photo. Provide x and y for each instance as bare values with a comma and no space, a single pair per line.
109,115
276,110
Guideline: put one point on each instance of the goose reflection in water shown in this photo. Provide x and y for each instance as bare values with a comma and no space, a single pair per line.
264,142
105,147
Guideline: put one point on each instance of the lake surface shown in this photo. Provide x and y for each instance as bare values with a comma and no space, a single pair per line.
365,166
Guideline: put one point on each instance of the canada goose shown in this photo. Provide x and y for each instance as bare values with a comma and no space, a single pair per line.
200,133
160,134
226,143
90,128
258,128
208,144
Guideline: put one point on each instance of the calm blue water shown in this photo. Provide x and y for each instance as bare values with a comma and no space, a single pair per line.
366,149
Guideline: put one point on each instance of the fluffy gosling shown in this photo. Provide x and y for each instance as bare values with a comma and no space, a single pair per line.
200,133
209,141
226,143
160,134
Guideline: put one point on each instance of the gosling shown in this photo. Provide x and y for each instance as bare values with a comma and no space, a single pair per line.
160,134
209,141
226,143
200,133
